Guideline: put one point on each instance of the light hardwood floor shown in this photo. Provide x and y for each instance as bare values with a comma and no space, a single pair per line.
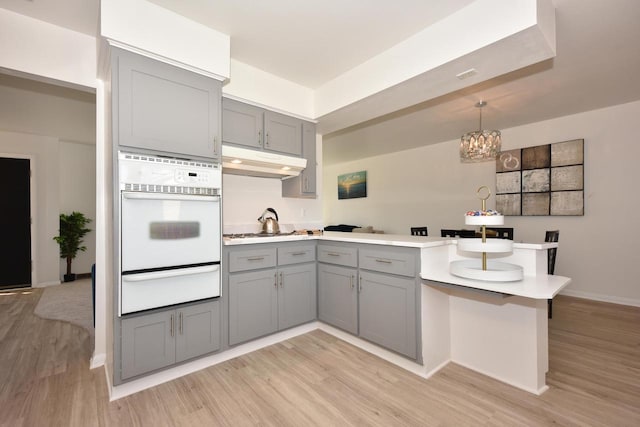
317,379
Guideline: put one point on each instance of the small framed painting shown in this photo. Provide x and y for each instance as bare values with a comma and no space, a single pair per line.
352,185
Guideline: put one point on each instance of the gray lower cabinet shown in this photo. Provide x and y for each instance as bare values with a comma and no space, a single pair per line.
158,340
338,297
271,288
253,305
160,107
371,291
387,314
296,295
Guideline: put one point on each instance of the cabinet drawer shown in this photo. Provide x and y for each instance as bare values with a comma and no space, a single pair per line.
296,254
401,263
339,255
252,259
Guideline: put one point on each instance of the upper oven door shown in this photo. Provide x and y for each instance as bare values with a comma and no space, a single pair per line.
167,230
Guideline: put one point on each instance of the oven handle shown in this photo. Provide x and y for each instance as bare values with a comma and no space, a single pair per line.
141,277
167,196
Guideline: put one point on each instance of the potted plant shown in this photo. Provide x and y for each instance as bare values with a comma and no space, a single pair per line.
72,230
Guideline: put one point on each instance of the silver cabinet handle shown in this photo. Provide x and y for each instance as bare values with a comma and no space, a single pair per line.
384,261
275,280
215,145
171,326
259,137
332,254
297,253
281,280
255,258
181,322
266,142
351,281
360,286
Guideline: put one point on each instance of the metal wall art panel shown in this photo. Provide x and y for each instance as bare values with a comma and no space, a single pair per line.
541,180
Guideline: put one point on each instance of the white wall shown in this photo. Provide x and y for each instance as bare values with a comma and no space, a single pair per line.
35,47
57,125
265,89
78,193
428,186
157,30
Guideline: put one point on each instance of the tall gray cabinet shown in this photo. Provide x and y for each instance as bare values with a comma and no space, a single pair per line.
160,107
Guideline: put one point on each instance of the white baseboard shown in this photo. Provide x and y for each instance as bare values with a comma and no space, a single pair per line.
599,297
97,360
382,353
45,284
122,390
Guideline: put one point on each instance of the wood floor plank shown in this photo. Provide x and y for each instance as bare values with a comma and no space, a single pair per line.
318,379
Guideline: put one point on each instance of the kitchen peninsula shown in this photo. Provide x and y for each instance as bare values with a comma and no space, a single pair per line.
391,295
496,328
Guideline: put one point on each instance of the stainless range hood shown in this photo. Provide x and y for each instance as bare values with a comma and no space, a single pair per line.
242,161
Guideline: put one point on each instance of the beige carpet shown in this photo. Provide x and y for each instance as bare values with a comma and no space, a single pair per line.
70,302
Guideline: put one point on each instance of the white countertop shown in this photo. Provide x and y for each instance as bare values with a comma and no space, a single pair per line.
373,238
537,287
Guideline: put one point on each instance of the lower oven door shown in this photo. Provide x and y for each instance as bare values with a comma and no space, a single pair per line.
167,230
144,291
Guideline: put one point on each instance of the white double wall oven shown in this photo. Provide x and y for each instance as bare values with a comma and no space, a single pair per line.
170,238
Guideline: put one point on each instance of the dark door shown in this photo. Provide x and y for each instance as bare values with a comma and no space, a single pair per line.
15,220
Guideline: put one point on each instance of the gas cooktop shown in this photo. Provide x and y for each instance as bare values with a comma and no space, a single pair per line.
246,235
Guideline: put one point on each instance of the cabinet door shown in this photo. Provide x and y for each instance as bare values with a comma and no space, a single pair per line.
338,297
304,185
296,295
282,133
241,123
148,343
253,305
387,311
308,175
197,330
165,108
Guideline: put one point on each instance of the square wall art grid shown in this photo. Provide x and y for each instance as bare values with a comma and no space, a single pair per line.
542,180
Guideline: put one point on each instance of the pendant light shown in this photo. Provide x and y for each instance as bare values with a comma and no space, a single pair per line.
481,145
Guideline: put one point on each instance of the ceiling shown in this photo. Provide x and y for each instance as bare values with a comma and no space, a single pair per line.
311,42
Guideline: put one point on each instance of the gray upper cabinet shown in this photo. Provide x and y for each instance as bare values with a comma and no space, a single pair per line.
242,124
304,185
260,129
160,107
282,133
160,339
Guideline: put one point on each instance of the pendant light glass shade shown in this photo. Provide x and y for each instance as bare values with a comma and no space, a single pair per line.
481,145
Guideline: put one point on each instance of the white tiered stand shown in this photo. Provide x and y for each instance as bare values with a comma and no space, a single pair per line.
484,269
